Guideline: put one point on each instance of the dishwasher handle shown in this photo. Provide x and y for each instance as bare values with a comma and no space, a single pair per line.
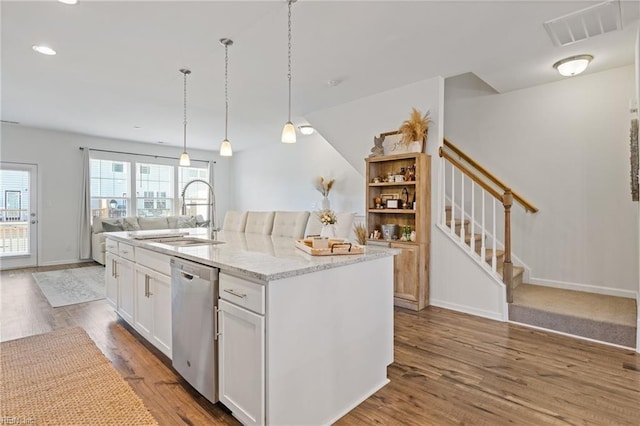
188,276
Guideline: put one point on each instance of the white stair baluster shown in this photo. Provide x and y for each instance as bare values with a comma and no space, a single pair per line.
472,245
493,255
453,200
483,249
462,208
444,191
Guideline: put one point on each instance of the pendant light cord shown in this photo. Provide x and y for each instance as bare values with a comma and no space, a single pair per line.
226,90
185,72
289,63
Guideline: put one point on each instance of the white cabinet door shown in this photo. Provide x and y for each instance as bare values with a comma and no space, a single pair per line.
161,301
241,363
110,280
126,279
143,312
153,307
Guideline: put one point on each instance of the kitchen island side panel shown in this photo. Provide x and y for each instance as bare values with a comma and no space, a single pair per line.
329,341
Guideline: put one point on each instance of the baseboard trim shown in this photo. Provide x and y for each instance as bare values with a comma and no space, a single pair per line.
584,287
548,330
496,316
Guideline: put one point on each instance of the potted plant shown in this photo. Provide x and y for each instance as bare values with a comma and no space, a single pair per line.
414,130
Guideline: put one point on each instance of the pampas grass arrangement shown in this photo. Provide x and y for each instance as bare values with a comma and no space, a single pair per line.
416,127
361,233
324,186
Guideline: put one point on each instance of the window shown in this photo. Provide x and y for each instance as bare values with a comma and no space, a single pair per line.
109,188
154,190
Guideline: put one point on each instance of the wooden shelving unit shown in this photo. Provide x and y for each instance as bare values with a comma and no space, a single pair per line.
412,265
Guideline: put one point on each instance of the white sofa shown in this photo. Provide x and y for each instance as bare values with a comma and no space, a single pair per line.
135,223
285,224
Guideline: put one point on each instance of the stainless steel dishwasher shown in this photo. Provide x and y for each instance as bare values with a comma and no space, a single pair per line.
194,291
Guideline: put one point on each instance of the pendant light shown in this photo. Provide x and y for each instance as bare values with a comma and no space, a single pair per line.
184,158
225,146
289,130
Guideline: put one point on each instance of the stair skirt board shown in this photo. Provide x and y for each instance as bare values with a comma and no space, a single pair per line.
617,334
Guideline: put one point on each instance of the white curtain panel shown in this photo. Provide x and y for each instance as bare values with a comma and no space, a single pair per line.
84,242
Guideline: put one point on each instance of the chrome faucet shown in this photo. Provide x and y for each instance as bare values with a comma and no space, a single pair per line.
212,206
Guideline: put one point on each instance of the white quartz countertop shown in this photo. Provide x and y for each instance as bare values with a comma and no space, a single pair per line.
263,257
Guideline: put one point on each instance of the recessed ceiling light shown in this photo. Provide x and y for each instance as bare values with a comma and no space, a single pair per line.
137,127
306,129
333,83
43,49
574,65
68,1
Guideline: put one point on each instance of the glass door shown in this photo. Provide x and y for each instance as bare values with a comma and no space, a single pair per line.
18,215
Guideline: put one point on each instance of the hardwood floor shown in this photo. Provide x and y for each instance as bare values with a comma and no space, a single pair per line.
449,368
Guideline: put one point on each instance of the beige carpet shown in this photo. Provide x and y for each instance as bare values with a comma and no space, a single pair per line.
62,378
595,316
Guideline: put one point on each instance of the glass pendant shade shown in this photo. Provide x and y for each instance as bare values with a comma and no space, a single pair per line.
289,133
185,161
225,149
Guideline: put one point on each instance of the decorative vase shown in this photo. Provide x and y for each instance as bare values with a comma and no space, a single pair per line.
328,231
326,204
412,237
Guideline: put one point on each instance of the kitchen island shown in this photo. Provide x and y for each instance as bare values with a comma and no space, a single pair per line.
302,339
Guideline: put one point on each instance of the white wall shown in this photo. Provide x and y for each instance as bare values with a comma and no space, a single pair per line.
565,147
59,161
281,176
351,127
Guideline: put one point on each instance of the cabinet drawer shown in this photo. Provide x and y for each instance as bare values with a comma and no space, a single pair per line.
242,292
126,251
152,260
111,246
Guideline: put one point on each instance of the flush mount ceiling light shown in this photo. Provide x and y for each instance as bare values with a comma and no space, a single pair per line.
68,1
289,131
184,158
574,65
225,147
45,50
306,129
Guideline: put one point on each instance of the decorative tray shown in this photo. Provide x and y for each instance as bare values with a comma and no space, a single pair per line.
336,247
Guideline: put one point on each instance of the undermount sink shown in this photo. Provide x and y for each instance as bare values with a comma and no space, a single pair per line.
188,242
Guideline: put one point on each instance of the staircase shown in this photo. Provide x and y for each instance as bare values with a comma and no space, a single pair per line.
465,225
595,316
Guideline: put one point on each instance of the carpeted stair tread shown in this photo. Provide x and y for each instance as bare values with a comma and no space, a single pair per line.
598,307
595,316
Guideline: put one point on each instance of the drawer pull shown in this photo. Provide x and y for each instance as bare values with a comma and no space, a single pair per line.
235,293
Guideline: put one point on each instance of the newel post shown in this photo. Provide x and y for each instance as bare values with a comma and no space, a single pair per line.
507,271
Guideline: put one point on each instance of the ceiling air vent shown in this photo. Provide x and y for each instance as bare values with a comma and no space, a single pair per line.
586,23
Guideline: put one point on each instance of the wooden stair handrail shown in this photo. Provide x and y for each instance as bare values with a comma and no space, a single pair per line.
524,203
471,175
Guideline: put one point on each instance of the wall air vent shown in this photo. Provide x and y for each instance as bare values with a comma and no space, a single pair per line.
9,122
598,19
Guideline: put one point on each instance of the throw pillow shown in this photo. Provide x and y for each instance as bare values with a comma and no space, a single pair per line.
130,224
186,222
113,226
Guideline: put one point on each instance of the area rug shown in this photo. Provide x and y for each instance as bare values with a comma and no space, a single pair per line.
70,286
62,378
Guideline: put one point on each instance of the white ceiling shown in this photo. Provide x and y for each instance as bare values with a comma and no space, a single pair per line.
117,63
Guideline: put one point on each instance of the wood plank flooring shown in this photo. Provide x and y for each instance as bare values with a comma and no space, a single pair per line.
449,368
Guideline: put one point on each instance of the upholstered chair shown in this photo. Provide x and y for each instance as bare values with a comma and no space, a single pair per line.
259,223
289,224
234,221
